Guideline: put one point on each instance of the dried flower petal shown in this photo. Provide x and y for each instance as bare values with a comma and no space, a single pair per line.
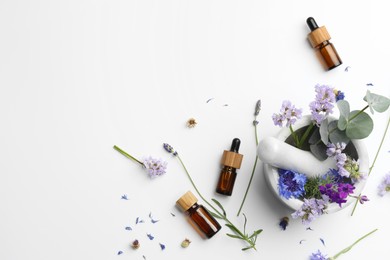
128,228
284,223
138,220
162,246
150,236
191,123
322,241
151,218
186,242
124,197
120,252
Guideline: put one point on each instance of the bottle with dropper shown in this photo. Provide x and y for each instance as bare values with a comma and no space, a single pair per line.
231,160
319,39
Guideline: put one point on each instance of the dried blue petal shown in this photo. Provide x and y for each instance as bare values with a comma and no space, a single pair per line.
128,228
144,257
309,228
124,197
225,105
138,220
322,241
173,215
300,242
347,68
162,246
120,252
208,100
151,218
150,236
370,84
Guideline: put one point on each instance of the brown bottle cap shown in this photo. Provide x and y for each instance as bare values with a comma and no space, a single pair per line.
187,200
232,159
318,36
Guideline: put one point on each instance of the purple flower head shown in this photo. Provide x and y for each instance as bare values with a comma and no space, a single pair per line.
169,149
311,209
154,167
335,149
291,184
363,199
337,192
318,256
323,104
288,113
384,185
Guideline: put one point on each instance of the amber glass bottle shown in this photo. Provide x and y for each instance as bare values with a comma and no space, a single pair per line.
319,39
198,214
231,160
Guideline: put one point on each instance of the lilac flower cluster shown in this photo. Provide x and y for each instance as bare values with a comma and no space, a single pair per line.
323,104
384,187
311,209
291,184
154,167
338,192
336,151
288,113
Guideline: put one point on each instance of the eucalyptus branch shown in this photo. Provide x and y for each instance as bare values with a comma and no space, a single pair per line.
242,235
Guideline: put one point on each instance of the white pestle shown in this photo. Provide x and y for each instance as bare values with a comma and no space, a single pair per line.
282,155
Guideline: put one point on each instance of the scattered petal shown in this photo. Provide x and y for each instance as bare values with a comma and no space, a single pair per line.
124,197
144,257
284,223
186,242
173,215
225,105
120,252
151,218
135,244
300,242
138,220
128,228
309,228
209,100
370,84
150,236
162,246
322,241
318,256
347,68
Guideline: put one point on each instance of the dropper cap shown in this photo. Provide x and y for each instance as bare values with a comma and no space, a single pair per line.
318,35
232,158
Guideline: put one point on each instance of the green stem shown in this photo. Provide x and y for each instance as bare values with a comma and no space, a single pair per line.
305,135
361,111
350,247
252,174
373,163
295,137
221,215
127,155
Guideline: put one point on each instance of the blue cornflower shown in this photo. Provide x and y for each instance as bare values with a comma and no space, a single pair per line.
291,184
318,256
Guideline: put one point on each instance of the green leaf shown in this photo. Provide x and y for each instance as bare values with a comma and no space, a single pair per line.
336,135
342,123
233,228
360,126
233,236
220,206
255,233
319,151
246,248
377,102
215,215
245,221
324,133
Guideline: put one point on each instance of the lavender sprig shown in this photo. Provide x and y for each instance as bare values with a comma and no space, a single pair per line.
242,235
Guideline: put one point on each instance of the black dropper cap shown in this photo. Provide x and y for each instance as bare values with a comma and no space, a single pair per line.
311,23
235,145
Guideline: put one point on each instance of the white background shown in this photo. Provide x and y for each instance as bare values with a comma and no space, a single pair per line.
77,77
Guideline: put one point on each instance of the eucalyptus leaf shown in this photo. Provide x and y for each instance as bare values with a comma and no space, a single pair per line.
324,133
336,135
344,109
342,123
377,102
360,126
319,151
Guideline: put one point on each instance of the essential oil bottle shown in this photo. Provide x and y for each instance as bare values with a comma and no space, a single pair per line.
319,39
231,160
198,214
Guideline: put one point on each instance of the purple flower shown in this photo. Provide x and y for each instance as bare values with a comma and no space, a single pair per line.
291,184
339,95
288,113
363,199
385,185
337,192
318,256
335,149
311,209
169,149
154,167
322,106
